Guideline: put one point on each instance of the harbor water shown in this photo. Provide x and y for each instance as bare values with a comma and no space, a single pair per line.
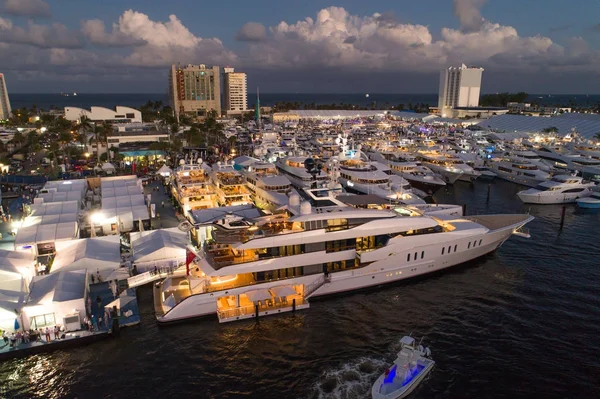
521,322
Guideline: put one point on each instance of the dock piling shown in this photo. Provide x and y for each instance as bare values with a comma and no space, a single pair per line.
294,305
562,216
464,209
256,312
488,193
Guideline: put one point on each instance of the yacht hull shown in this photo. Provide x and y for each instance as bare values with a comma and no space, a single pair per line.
523,180
392,268
427,187
549,198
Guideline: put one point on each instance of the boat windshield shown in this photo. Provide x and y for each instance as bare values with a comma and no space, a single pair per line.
541,188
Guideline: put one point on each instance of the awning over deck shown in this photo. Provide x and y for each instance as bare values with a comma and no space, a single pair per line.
258,295
284,290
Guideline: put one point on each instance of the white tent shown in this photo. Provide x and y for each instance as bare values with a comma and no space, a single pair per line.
164,171
108,168
17,262
54,296
55,208
110,192
32,236
13,293
120,301
158,247
119,181
94,254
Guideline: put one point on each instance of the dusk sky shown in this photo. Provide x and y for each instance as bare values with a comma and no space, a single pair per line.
348,46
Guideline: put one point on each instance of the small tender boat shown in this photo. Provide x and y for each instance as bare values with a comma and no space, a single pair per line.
409,369
591,202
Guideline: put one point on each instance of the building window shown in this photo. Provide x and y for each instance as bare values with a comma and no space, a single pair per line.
44,320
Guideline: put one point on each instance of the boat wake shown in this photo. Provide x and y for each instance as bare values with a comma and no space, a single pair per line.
351,380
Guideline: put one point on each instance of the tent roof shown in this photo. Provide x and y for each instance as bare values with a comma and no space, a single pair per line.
164,170
46,233
123,201
160,244
14,261
55,208
88,253
108,166
57,287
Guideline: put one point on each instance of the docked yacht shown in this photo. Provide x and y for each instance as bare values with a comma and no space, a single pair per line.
561,189
293,168
192,187
592,201
250,264
230,185
410,368
407,167
518,170
440,165
269,189
362,177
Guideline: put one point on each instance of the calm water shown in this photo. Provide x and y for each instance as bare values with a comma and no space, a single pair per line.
86,100
519,323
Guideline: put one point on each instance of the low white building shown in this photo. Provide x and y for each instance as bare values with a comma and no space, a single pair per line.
101,114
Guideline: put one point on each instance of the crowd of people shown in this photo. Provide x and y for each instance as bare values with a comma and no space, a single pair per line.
32,335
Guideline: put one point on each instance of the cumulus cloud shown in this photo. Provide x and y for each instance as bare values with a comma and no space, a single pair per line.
252,32
468,13
29,8
55,35
338,39
5,24
95,31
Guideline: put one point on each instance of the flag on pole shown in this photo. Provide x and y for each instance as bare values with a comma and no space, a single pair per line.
189,258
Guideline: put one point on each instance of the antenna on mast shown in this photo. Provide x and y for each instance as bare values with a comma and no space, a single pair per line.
257,111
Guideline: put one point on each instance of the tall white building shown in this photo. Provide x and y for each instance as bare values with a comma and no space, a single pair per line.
235,89
4,101
459,87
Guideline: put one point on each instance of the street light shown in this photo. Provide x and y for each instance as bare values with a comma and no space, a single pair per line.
95,218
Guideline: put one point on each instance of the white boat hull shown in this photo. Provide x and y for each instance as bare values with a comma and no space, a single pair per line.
392,268
547,198
523,180
406,390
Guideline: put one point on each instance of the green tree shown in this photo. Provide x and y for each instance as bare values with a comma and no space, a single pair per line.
597,136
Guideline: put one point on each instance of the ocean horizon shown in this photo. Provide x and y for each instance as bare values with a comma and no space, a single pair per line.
381,100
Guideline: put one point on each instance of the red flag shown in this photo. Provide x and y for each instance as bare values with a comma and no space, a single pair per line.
189,257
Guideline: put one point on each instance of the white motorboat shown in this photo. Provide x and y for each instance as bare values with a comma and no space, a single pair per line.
410,368
561,189
518,170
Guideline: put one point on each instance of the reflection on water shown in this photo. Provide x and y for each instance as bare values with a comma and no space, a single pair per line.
521,322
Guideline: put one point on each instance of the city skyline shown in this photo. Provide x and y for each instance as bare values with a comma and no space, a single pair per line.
379,47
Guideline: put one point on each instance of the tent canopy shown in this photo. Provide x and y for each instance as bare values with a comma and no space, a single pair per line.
157,245
285,290
121,301
98,253
164,170
108,167
16,262
46,233
258,295
57,287
203,216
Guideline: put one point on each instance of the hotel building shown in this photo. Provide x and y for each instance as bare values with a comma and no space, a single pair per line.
4,101
194,90
235,90
459,88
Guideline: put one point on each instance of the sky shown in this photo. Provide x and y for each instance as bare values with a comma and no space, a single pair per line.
310,46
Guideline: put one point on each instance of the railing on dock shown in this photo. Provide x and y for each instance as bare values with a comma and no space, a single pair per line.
148,277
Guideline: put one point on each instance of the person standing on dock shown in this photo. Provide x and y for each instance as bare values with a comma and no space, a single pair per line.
47,332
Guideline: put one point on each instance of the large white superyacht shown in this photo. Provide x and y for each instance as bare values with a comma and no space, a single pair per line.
250,264
230,185
407,167
518,170
293,168
270,190
192,188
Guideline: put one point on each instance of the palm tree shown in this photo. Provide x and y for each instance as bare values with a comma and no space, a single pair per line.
597,136
107,131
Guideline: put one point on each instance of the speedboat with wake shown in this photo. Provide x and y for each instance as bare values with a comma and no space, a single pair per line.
409,369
